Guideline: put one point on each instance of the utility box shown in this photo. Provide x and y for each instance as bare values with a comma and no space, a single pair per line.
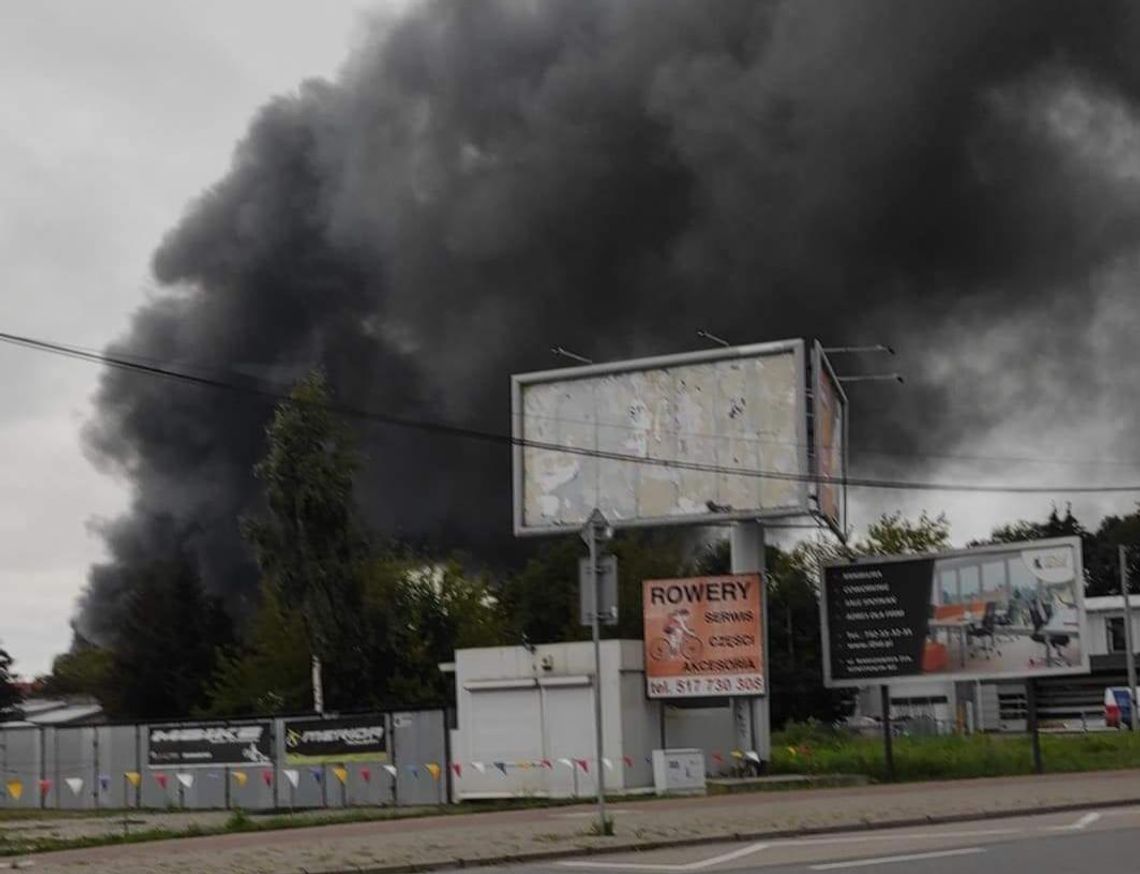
679,772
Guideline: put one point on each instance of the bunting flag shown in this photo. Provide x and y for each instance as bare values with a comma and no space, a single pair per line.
15,789
414,771
752,756
391,769
546,763
267,777
502,766
104,782
433,769
161,780
609,765
737,754
45,786
341,774
458,769
317,774
240,777
133,777
567,763
366,775
649,760
293,776
584,764
524,766
717,757
628,761
186,780
75,784
480,767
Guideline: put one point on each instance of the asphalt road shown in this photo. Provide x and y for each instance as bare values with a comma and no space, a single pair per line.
1072,843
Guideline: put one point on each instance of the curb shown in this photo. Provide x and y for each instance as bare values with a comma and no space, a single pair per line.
725,837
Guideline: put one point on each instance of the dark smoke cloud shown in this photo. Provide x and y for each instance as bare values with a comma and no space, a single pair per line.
486,179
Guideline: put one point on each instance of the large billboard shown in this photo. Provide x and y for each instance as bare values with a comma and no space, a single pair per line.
344,739
829,431
209,745
660,440
1003,611
703,636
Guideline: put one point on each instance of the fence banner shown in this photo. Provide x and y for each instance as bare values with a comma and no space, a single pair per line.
209,745
343,739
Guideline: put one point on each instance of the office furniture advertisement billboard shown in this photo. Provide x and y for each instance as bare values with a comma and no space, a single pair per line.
345,739
209,745
703,636
1004,611
696,438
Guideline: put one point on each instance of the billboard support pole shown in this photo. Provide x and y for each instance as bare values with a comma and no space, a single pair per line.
753,715
1034,734
888,739
1129,649
597,526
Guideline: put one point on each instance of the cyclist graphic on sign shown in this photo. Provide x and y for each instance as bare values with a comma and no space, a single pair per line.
679,640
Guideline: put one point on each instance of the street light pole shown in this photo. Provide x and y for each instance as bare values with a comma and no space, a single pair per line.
597,527
1130,655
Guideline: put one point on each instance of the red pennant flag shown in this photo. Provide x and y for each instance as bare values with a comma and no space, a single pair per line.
546,763
457,768
45,786
584,764
366,775
161,780
628,761
267,777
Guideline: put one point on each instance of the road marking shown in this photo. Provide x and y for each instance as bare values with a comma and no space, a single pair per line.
1081,824
886,860
698,865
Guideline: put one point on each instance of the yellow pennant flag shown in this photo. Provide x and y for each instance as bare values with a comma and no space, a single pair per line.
134,778
241,777
341,774
15,789
433,769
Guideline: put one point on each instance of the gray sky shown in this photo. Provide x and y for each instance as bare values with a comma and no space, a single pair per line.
114,115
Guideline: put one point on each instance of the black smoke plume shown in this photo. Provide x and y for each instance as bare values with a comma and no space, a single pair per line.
487,179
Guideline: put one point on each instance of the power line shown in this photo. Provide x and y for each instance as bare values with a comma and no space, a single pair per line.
462,432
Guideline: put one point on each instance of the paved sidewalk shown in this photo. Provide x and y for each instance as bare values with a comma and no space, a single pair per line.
486,837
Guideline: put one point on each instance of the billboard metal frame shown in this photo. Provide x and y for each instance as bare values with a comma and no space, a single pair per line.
518,381
998,548
822,364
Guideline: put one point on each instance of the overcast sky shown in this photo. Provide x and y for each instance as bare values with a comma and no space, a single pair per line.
113,115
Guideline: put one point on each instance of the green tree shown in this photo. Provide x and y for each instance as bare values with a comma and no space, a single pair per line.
85,669
10,696
166,648
307,542
271,672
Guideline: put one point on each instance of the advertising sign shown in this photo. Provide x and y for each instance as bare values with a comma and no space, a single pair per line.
346,739
703,636
1004,611
209,744
830,443
659,441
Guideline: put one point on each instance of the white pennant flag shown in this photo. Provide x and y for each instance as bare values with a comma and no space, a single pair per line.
391,769
75,784
752,756
609,765
567,763
480,767
187,780
292,775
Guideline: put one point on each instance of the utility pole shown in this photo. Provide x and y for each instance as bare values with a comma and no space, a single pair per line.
1130,654
597,528
318,686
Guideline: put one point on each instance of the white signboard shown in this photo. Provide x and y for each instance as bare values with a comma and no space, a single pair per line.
702,437
679,771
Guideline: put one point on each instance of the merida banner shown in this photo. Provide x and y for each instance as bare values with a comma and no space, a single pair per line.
209,744
341,739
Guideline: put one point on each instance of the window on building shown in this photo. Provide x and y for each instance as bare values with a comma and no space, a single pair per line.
1114,631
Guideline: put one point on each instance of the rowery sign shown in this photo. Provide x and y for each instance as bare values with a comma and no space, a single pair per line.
348,739
703,636
209,745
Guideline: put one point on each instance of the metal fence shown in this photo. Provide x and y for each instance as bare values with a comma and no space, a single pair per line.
93,767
